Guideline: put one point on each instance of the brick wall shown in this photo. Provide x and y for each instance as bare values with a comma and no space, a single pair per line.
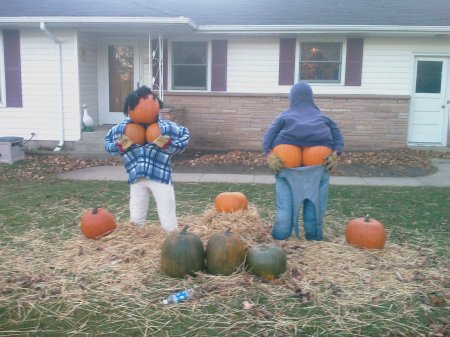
238,121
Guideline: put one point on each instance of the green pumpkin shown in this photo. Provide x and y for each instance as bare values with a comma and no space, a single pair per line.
182,254
267,261
225,252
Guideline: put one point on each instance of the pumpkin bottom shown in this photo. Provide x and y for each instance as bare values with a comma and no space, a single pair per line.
291,155
315,155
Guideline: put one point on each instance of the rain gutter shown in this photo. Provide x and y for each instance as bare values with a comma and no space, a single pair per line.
61,99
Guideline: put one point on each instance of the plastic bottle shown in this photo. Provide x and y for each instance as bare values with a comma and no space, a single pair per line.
179,297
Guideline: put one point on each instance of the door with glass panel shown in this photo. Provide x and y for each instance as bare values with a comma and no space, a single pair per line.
119,76
429,109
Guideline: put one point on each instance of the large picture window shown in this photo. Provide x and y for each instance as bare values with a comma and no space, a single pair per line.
189,65
321,62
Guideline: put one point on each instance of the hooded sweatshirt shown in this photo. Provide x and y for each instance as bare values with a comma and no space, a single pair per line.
303,124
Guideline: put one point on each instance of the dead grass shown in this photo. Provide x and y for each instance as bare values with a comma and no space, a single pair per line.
344,289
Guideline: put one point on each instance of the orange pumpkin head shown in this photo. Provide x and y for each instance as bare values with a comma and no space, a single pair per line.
152,132
315,155
97,223
291,155
228,202
365,233
146,111
136,132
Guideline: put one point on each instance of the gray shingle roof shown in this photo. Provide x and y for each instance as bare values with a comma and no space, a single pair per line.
246,12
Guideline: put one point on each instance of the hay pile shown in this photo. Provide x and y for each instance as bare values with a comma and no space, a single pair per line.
39,268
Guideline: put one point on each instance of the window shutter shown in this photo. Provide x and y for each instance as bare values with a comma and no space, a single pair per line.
165,60
219,65
13,74
287,61
353,68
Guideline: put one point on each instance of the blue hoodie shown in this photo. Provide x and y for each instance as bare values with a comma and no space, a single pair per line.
303,124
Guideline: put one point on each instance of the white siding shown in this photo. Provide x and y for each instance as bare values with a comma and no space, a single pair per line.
387,65
87,63
41,111
253,65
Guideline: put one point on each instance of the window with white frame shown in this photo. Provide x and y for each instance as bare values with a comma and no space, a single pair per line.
2,73
189,65
320,62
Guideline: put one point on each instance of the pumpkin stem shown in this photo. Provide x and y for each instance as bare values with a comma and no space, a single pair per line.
184,230
95,210
366,218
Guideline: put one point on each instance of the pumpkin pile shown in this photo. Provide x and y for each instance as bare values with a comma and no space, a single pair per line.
183,253
297,156
144,127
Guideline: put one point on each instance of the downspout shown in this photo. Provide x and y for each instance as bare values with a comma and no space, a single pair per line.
61,99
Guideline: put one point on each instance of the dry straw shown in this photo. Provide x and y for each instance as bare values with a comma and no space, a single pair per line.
41,271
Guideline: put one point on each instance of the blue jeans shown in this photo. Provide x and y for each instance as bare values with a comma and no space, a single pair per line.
284,219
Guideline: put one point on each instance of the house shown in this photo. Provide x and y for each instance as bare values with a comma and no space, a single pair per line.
380,69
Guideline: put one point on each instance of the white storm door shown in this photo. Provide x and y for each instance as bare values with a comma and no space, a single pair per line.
429,114
119,73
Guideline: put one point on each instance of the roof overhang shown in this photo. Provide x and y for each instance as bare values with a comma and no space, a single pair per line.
329,30
184,25
173,25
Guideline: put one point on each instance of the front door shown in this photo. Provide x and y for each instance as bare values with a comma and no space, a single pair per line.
429,110
119,76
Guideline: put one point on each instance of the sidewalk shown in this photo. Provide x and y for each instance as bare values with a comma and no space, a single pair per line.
117,173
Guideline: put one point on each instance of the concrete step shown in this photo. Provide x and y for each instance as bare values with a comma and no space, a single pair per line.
87,146
99,133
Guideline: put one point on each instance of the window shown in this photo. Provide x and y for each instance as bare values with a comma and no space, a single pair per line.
320,62
2,73
429,77
189,65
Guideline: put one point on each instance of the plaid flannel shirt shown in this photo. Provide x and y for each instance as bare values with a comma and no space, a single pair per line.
149,161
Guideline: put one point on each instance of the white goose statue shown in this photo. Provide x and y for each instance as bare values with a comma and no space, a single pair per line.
88,121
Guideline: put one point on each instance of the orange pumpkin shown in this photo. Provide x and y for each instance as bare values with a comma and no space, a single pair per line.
291,155
152,132
228,202
136,132
146,111
315,155
365,233
97,223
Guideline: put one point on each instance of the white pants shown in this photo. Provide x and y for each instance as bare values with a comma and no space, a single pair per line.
164,195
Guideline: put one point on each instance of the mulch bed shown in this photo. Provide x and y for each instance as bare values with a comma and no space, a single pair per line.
392,163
